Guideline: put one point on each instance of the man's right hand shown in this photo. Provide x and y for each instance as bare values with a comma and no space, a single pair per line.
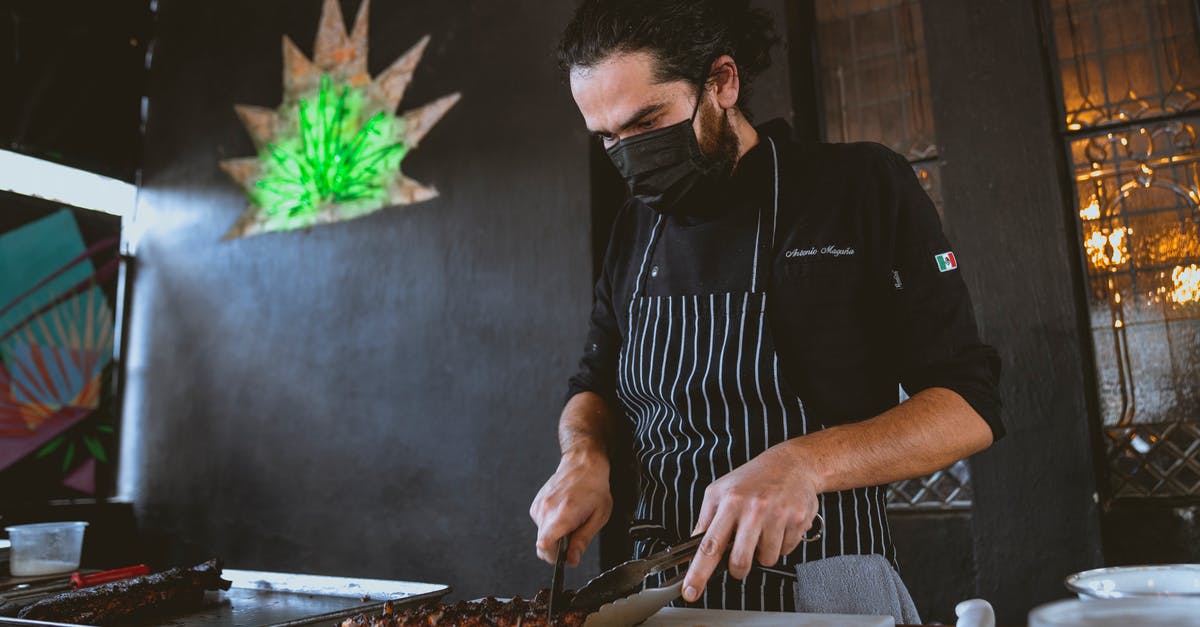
576,500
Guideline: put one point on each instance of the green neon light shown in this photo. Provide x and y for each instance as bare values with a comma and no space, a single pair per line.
327,155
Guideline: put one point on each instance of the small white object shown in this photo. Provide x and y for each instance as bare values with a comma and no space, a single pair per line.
1170,580
1162,612
975,613
45,548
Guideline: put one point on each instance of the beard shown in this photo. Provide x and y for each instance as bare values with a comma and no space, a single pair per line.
719,144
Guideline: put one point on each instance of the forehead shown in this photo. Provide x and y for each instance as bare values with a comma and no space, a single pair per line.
611,91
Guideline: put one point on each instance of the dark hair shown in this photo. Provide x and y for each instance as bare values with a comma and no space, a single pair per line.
684,37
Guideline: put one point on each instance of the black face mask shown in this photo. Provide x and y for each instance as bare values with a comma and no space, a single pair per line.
664,165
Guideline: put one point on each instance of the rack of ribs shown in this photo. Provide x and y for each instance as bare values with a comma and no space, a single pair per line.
169,592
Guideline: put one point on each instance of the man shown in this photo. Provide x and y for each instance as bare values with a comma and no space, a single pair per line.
759,303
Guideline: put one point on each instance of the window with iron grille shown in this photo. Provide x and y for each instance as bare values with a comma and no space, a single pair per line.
1129,79
875,87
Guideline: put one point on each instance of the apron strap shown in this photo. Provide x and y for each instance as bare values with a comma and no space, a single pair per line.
760,246
638,284
767,248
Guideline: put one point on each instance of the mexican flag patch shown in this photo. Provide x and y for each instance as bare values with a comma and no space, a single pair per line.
946,262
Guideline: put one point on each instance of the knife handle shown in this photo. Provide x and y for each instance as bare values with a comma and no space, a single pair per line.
108,576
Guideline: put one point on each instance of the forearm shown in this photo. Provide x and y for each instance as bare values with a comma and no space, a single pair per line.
930,431
584,425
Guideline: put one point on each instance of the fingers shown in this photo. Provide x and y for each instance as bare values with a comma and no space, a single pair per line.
555,525
707,510
793,535
800,524
770,544
559,511
712,549
584,534
741,556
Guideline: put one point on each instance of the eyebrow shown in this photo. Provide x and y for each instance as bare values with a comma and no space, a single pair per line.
634,119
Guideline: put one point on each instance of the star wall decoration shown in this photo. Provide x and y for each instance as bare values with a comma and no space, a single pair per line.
332,150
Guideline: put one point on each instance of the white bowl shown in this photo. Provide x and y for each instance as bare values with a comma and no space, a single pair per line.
1160,612
1172,580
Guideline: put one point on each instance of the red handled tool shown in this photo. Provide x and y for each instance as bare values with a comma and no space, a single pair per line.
108,576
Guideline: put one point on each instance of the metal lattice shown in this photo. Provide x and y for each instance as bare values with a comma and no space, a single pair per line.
1130,77
1124,60
875,85
874,75
945,489
1154,459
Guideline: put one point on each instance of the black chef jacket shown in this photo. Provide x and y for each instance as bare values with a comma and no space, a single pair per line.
862,294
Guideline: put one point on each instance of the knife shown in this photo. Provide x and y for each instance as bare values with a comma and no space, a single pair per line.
556,583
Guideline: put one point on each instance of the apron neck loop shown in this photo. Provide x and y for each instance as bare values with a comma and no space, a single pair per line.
766,224
762,247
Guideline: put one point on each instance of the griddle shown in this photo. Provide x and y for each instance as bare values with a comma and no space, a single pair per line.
269,599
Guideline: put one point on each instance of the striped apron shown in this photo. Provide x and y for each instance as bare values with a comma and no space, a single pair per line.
698,379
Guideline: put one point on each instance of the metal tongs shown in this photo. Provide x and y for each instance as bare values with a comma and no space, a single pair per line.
619,596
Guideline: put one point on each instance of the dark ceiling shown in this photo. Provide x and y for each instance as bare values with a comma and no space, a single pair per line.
73,73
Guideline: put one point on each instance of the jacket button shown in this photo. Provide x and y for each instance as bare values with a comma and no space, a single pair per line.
653,271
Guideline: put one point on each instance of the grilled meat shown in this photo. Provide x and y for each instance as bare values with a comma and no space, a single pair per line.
168,592
489,612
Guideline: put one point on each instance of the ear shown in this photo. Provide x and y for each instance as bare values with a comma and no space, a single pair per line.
724,82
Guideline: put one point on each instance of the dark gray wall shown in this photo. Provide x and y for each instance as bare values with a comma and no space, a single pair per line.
376,398
1035,518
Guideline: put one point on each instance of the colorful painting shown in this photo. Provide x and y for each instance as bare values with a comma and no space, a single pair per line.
57,418
332,150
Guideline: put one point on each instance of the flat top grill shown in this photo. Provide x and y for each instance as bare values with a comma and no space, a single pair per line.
268,599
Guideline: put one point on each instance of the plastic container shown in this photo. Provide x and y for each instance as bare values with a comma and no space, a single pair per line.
1160,612
45,548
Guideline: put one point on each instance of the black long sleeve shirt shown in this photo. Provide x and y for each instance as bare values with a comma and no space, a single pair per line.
859,301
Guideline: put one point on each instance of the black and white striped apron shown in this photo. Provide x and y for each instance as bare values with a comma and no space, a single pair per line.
698,378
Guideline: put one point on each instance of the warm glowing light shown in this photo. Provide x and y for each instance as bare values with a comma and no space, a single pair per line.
1118,324
1074,126
1092,211
1148,175
1187,284
1108,251
1117,297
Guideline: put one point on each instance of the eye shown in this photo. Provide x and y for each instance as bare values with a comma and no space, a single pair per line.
647,124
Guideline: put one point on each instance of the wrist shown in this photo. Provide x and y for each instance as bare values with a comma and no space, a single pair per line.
585,452
806,464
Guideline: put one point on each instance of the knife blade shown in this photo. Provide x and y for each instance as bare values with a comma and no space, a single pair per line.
556,583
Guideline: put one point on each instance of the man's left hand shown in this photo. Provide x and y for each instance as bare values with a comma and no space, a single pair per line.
764,507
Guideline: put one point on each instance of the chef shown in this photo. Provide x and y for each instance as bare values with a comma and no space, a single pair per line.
761,305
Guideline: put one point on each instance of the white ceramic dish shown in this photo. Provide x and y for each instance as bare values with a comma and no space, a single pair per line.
1160,612
1173,580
